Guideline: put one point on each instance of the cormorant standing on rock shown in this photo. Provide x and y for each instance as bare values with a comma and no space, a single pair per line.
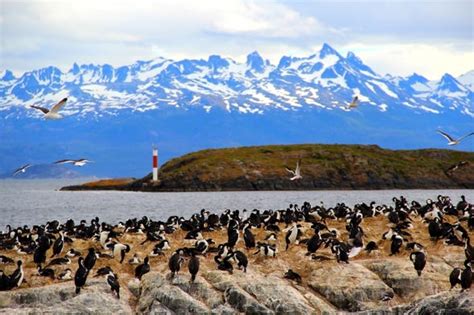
249,238
58,245
193,266
81,275
175,262
18,275
466,276
114,284
142,269
91,257
419,261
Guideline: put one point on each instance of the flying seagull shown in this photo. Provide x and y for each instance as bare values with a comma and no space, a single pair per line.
354,103
296,173
451,140
21,169
53,113
80,162
456,166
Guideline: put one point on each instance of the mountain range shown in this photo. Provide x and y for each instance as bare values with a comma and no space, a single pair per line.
115,114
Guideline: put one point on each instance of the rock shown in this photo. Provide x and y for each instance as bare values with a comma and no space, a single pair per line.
134,287
95,298
350,287
179,296
256,292
445,303
218,292
401,276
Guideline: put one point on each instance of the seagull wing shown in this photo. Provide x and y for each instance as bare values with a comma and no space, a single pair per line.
58,106
21,169
469,134
298,168
354,102
64,161
290,171
44,110
444,134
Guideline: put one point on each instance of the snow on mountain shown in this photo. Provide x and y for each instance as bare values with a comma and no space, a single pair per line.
324,80
467,80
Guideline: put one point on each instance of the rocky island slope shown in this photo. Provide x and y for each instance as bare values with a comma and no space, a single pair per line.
322,167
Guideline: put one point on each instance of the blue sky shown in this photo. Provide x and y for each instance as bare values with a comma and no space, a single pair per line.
397,37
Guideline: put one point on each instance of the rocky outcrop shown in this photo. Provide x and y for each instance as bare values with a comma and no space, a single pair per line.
328,290
444,303
95,298
403,279
349,286
327,287
218,292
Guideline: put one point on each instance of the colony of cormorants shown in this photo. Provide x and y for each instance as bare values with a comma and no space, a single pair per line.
51,247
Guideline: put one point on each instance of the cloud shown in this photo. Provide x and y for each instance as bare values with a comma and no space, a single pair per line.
390,36
63,32
403,59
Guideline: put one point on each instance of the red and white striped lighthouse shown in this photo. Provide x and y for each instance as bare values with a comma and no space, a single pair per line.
155,164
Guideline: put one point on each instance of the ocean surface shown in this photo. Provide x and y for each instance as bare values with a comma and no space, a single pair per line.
38,201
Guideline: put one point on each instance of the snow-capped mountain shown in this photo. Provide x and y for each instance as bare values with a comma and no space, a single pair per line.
324,80
467,79
115,114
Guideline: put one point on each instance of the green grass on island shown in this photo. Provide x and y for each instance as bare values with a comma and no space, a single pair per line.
322,167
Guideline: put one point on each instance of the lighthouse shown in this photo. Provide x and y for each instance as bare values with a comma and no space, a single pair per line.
155,164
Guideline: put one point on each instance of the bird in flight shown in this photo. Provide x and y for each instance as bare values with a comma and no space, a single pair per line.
456,166
53,113
451,140
21,169
296,173
80,162
354,103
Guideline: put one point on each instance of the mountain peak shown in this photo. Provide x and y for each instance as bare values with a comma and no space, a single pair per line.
327,50
75,69
255,61
352,58
467,79
217,61
6,75
449,83
415,77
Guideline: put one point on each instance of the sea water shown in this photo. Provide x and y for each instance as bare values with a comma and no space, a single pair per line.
38,201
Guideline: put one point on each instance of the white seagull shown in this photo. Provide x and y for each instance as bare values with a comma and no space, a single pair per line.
53,113
21,169
296,173
451,140
80,162
354,103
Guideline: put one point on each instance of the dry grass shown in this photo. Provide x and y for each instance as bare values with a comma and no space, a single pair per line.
109,182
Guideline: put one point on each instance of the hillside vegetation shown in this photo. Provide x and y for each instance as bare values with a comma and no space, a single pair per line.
322,167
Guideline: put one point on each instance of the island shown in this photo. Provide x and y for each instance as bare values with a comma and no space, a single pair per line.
323,166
